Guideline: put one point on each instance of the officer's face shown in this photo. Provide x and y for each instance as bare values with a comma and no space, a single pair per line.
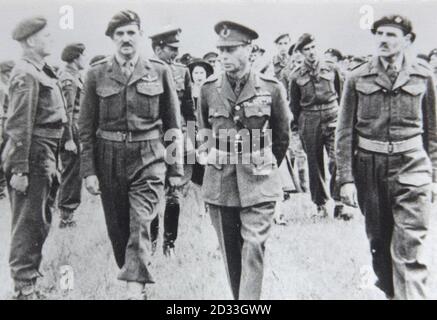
390,41
168,53
234,59
212,61
199,75
127,39
283,45
310,52
41,42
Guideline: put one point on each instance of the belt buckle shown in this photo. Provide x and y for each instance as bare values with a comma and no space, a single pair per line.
122,135
238,145
390,148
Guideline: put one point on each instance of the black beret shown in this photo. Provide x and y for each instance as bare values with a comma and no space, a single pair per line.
233,34
122,18
27,27
284,35
202,63
336,53
432,53
72,51
291,49
304,39
96,59
168,38
210,54
394,20
6,66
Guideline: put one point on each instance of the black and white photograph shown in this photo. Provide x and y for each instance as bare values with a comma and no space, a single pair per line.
218,150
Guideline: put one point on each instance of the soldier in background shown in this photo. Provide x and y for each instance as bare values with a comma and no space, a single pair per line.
5,72
128,103
37,119
281,59
242,197
166,47
72,87
386,150
213,59
315,90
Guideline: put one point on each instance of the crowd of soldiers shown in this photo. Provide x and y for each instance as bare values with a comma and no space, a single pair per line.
374,117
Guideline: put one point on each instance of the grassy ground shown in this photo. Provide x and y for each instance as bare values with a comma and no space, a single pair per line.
305,260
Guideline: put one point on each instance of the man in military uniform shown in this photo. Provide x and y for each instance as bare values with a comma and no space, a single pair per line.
37,118
5,72
128,102
314,95
387,151
166,47
242,183
282,58
72,86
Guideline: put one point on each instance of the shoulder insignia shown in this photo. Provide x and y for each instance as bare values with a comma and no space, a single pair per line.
102,61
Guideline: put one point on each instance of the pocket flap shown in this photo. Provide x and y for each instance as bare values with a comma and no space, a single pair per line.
107,91
219,112
416,179
257,110
367,88
149,89
414,89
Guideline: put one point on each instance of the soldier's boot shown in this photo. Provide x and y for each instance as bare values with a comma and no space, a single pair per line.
341,213
67,219
171,222
303,180
136,291
154,231
169,249
322,211
28,292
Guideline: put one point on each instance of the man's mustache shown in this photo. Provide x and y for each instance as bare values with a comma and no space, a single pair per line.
383,45
126,44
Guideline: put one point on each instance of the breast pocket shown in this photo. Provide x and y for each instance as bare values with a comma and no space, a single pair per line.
306,87
369,100
110,102
148,100
411,100
257,113
326,82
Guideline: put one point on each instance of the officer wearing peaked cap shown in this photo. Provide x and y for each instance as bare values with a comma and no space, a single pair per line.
242,183
72,88
386,149
128,103
212,58
166,47
37,118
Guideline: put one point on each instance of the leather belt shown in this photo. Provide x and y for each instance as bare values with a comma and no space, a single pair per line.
391,147
55,133
237,145
128,136
321,107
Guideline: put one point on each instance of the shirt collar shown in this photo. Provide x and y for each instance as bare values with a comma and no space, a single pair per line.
397,63
121,61
34,60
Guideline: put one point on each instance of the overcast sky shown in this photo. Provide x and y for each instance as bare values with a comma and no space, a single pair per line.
335,23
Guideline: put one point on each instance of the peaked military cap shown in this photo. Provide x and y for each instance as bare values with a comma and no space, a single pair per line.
72,51
394,20
6,66
96,59
336,53
209,55
233,34
282,36
123,18
432,53
28,27
304,39
169,38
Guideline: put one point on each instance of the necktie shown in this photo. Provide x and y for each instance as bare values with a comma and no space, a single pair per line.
127,69
392,72
238,87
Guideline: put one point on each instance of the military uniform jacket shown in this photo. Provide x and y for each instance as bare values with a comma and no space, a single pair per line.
182,79
35,101
261,103
376,109
72,88
308,88
145,102
279,64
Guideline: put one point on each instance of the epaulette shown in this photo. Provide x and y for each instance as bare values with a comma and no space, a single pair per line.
102,61
360,66
157,61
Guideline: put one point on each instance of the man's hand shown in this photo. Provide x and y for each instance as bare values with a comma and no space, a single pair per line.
19,183
70,146
92,185
434,192
175,181
348,195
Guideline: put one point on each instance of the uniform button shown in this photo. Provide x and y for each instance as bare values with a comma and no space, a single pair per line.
384,90
260,113
215,114
237,136
237,118
237,108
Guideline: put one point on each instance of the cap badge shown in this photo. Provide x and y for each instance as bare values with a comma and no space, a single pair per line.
398,20
225,32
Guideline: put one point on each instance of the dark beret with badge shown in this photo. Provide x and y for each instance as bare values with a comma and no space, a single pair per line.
282,36
72,51
292,49
123,18
169,38
396,21
432,53
304,40
28,27
6,66
336,53
232,34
